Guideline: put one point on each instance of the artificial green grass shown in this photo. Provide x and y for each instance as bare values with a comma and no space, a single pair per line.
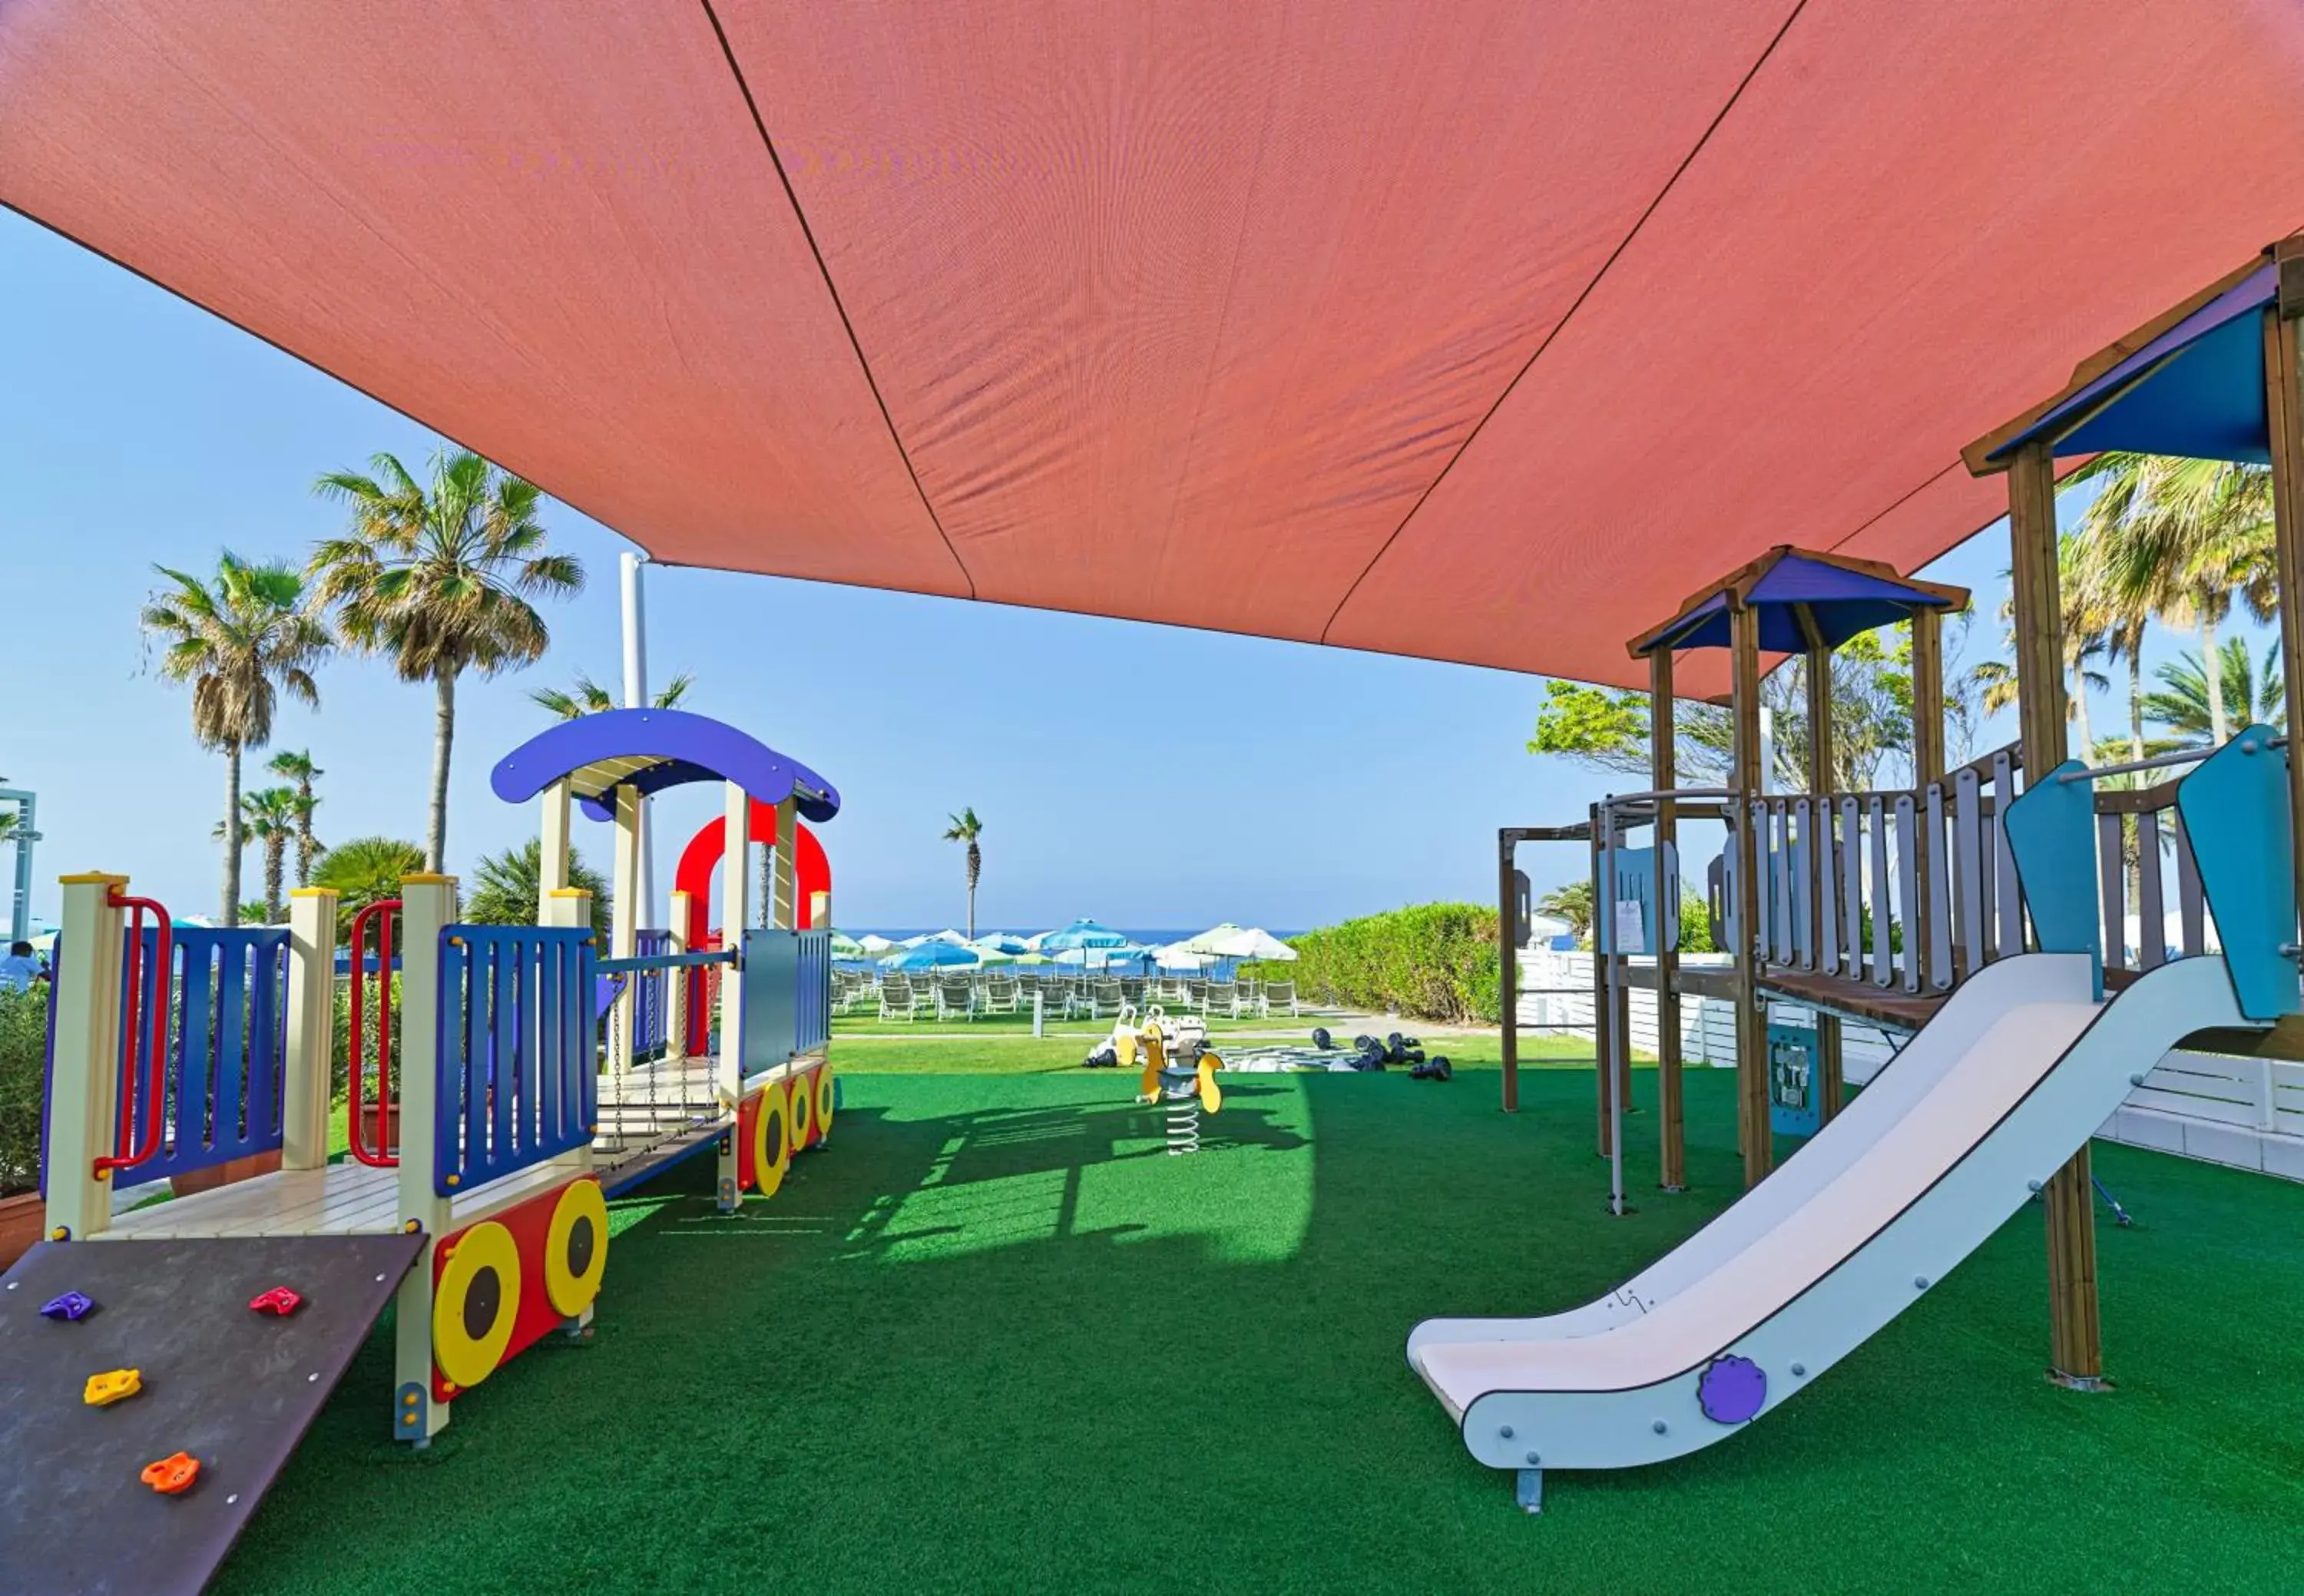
1021,1025
992,1339
1028,1055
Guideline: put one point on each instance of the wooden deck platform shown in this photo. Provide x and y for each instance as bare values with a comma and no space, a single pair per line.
347,1199
1890,1006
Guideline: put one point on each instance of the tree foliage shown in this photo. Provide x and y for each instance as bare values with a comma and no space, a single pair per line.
363,871
506,888
1432,962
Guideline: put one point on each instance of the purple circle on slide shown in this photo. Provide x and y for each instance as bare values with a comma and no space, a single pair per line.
1731,1389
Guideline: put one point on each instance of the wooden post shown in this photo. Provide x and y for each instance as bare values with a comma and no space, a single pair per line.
2284,375
2075,1336
1508,968
735,915
1752,1134
306,1076
1828,1059
675,986
1663,774
552,850
428,904
783,871
84,1076
624,911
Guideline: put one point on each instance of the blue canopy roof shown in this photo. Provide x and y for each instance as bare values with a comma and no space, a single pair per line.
1794,591
2196,390
653,749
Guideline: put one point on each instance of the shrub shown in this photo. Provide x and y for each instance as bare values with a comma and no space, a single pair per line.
23,1063
1432,962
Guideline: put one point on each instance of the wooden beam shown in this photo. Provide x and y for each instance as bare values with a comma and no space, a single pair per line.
2076,1348
1663,774
1829,1062
2283,375
1752,1134
1508,968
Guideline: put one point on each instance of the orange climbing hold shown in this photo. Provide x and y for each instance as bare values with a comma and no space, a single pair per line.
113,1385
171,1475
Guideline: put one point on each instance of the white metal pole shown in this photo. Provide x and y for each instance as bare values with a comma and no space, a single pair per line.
1619,1085
635,614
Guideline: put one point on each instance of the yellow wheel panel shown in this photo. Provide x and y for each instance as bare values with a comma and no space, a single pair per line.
576,1248
771,1142
826,1101
475,1304
803,1110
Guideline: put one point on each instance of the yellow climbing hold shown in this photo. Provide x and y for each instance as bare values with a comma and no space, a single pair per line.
112,1386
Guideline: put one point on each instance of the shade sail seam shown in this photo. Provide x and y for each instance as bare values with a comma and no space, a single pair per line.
839,306
1898,502
1569,315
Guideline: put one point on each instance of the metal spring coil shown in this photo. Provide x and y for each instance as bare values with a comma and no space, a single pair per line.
1183,1126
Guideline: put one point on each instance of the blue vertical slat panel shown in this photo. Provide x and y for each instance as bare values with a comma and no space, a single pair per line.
518,1056
226,1047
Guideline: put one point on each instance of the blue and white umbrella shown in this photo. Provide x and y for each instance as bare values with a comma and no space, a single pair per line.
1082,933
931,955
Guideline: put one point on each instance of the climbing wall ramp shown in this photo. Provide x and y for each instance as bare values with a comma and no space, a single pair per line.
232,1387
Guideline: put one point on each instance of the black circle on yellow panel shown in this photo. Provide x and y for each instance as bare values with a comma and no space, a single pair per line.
475,1304
771,1142
803,1111
576,1248
825,1102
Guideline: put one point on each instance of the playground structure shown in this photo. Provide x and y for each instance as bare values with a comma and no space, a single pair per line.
483,1120
1983,913
759,1088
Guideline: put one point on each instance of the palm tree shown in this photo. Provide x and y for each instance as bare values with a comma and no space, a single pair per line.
2087,621
2179,538
363,871
298,767
2183,702
439,579
505,886
239,639
966,828
268,816
589,698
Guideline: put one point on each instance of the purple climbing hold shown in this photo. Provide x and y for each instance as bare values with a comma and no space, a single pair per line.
72,1305
1731,1389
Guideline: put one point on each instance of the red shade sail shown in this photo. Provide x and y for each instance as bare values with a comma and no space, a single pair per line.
1480,332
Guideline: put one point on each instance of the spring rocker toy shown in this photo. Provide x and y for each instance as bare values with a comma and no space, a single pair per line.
1180,1070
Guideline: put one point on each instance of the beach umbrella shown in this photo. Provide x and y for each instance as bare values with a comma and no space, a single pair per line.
1206,941
1177,956
1081,934
1254,943
845,947
947,935
1001,942
872,942
930,955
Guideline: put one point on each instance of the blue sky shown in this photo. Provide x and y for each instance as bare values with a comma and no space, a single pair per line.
1146,776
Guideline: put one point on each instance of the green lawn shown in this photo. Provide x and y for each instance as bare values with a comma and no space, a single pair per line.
1021,1025
990,1339
933,1052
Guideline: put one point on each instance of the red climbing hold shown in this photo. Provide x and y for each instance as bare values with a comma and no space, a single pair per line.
171,1475
279,1300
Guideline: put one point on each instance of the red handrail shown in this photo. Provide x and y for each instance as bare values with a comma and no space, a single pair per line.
152,1094
379,1156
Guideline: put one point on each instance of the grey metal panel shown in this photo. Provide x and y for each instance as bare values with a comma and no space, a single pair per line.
1827,881
2190,903
2006,896
1938,887
1781,876
1880,970
2151,909
1852,885
2110,887
1907,881
1968,867
1803,865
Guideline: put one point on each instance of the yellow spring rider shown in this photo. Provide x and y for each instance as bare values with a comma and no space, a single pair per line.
1180,1070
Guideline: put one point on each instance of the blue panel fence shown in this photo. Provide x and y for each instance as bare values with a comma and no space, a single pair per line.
812,1004
647,1010
518,1070
226,997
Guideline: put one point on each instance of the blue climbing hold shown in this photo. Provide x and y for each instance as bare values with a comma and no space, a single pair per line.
1731,1390
72,1305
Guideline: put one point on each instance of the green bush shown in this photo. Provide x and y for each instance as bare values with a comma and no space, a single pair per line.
1432,962
23,1062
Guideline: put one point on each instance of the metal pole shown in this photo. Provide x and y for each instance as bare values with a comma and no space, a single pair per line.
1508,970
635,629
19,913
1612,1055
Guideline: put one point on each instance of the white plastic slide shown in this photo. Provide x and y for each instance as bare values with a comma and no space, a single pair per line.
2010,1079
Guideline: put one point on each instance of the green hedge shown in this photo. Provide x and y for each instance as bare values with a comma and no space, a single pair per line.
1432,962
23,1060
